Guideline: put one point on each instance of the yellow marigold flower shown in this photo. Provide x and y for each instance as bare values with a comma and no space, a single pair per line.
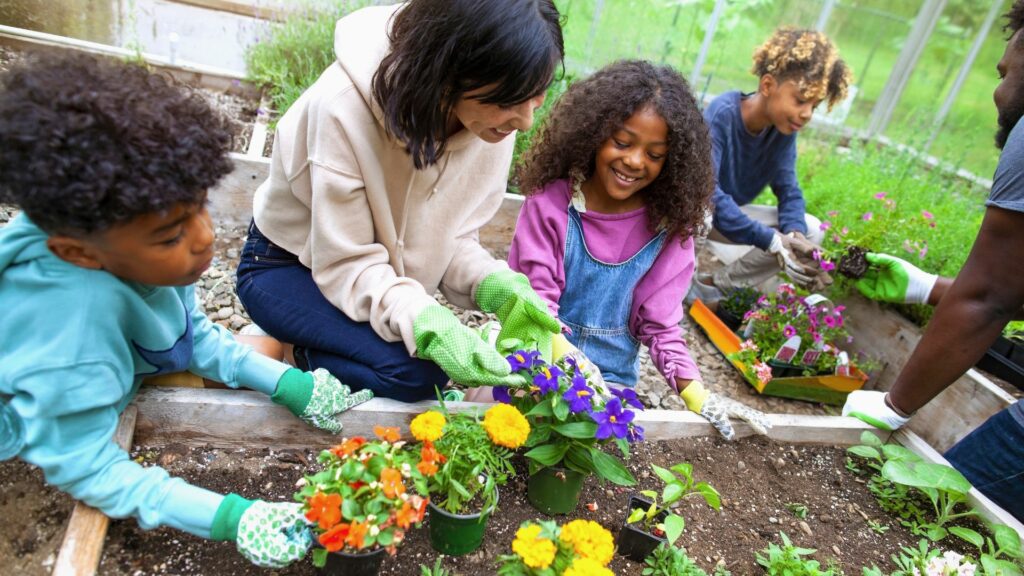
587,567
428,427
506,426
590,540
535,551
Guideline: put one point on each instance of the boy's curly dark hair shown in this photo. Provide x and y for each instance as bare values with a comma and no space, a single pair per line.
88,143
1014,20
807,57
592,110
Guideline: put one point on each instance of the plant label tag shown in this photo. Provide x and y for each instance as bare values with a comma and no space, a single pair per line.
842,364
810,357
788,350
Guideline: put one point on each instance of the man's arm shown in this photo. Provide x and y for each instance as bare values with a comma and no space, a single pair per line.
972,311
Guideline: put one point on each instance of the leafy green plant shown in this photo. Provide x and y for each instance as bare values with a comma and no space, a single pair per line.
799,510
676,488
739,300
896,499
435,570
1001,554
945,487
877,527
789,560
667,560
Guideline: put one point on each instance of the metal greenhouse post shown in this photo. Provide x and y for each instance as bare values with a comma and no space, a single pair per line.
709,35
594,22
826,13
924,24
940,118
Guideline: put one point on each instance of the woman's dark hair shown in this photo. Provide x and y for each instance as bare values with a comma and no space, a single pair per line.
442,49
87,143
592,110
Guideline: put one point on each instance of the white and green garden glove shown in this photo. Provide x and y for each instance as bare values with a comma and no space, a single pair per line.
317,397
718,410
271,535
891,279
870,406
790,249
523,314
460,351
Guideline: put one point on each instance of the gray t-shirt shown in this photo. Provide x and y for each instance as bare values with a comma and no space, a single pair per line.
1008,183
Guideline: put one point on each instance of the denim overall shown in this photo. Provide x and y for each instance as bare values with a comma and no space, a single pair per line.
597,300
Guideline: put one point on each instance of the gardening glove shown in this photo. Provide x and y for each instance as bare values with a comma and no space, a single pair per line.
718,410
522,313
462,353
562,348
317,397
871,407
270,535
891,279
790,250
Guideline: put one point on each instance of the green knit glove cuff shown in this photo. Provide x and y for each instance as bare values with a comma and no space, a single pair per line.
497,287
294,390
229,514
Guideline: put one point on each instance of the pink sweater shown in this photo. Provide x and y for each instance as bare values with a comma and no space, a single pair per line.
538,249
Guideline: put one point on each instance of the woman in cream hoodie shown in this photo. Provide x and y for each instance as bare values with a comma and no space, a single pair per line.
383,171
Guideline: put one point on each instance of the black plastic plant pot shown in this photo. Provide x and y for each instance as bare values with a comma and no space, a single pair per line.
633,541
349,564
732,321
1005,359
785,369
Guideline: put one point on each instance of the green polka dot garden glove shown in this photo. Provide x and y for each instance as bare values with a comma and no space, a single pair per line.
891,279
719,410
317,397
271,535
523,314
459,350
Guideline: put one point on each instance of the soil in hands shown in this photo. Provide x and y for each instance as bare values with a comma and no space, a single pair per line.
759,481
854,264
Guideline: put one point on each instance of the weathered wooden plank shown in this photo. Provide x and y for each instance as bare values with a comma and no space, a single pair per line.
193,74
83,540
988,509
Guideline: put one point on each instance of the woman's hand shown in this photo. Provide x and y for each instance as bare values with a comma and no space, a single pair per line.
523,314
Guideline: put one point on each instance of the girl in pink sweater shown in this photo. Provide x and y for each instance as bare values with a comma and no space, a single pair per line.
618,183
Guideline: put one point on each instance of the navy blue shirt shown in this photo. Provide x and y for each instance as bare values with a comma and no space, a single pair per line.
744,164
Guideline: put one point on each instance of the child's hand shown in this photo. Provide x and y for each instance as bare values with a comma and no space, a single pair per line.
523,314
317,397
718,410
270,535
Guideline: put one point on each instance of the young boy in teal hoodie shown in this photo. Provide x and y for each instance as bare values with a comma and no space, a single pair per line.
110,165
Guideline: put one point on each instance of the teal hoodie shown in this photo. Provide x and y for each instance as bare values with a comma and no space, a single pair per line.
76,344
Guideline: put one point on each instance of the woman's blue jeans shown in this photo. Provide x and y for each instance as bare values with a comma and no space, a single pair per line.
992,459
281,297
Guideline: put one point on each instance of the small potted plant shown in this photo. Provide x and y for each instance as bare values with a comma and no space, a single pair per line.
368,494
581,547
650,523
464,460
570,417
1005,357
734,306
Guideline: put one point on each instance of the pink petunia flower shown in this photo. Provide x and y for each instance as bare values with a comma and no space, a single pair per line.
833,213
927,215
867,216
827,266
825,225
880,195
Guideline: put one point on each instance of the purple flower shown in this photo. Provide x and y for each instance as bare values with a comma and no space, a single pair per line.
923,252
836,238
833,213
762,301
789,331
867,216
827,266
578,395
844,231
523,360
547,379
927,215
830,321
783,309
501,394
628,397
636,434
613,421
825,225
880,195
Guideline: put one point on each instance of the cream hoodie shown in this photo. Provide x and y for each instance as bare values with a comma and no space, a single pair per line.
380,236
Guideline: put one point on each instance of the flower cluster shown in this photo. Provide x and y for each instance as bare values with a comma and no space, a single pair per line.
580,548
775,319
568,416
362,498
464,460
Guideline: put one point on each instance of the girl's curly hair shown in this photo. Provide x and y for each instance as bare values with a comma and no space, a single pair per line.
807,57
87,143
592,110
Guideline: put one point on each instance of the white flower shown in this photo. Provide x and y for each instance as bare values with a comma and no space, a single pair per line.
952,558
966,569
374,530
936,567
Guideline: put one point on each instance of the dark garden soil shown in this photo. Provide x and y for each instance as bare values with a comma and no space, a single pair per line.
757,479
853,264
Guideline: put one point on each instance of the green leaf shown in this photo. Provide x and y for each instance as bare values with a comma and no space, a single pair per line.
1007,540
865,452
685,469
385,538
710,495
578,458
635,515
539,434
561,408
319,557
609,468
674,525
869,439
935,533
549,454
969,535
541,409
1007,568
897,452
926,475
651,494
664,474
580,430
671,493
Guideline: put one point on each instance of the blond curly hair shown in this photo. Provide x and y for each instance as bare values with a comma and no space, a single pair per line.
807,57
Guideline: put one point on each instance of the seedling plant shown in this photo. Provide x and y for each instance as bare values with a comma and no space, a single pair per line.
677,487
790,560
667,560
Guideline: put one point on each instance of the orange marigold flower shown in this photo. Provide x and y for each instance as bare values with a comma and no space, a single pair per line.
429,458
324,509
334,539
391,483
356,534
387,433
348,447
405,516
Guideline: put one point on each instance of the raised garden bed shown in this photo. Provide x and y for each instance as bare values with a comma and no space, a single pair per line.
1005,359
